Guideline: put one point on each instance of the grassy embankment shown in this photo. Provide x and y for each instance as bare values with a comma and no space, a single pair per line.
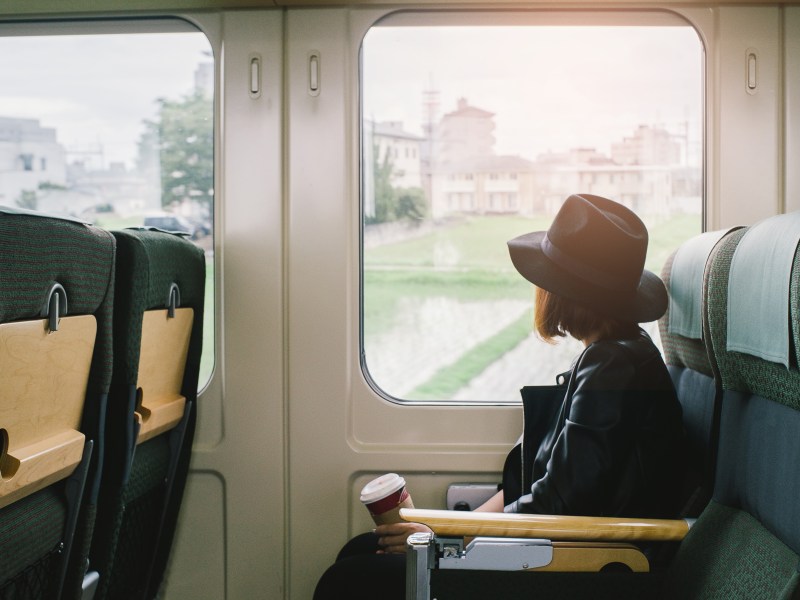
478,269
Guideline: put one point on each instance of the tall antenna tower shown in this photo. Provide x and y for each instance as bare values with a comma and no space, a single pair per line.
430,115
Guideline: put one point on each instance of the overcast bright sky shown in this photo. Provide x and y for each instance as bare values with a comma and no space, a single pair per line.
97,89
551,88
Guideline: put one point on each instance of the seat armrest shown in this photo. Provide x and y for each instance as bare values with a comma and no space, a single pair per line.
552,527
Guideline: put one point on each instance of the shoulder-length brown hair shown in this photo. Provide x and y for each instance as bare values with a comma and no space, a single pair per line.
555,316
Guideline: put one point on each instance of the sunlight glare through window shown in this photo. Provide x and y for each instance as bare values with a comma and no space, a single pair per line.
473,135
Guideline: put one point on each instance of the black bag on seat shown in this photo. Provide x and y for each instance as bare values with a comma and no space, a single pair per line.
540,406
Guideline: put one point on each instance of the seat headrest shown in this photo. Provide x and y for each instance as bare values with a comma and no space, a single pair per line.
758,289
740,371
686,283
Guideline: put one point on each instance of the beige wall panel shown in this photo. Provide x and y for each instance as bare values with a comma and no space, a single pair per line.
748,121
245,400
791,74
338,425
197,569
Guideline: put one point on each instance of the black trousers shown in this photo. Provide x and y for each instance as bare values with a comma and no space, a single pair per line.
360,574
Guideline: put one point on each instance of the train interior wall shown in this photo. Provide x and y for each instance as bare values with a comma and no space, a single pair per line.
289,429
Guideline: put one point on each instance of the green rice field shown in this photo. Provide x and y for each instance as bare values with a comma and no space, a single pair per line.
468,262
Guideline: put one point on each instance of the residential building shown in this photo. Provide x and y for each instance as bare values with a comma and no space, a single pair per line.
647,146
30,157
464,133
403,151
483,185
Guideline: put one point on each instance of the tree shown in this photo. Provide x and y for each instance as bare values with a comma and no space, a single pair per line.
183,135
411,204
393,204
384,192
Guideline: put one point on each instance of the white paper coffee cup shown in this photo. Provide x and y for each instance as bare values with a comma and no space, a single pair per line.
384,496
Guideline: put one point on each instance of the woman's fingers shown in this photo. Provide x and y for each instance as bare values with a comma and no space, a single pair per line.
392,537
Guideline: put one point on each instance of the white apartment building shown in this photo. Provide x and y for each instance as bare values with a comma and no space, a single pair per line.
30,157
462,134
483,185
647,146
642,188
403,150
464,175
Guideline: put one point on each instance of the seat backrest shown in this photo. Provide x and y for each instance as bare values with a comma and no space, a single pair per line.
685,341
56,294
160,284
746,544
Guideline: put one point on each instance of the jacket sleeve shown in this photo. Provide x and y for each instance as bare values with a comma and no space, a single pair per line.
596,440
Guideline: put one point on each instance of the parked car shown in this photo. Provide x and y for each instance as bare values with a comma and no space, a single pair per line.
176,223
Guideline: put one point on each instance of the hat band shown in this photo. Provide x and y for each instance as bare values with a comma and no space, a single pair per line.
602,279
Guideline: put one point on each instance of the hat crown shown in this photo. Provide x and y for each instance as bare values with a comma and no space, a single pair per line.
593,253
600,241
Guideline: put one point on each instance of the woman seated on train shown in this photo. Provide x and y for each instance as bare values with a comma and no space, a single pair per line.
614,449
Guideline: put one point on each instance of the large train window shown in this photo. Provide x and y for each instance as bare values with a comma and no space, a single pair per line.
475,128
112,123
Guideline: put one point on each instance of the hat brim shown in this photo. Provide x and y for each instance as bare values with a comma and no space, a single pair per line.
647,303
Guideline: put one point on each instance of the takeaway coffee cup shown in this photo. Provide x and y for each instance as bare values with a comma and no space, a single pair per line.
384,497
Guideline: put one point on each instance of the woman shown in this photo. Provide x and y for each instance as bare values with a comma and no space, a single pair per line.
615,445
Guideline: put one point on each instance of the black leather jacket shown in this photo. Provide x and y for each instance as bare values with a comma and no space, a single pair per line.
615,449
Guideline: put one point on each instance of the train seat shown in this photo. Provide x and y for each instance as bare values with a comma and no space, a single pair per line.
687,358
691,370
746,544
683,336
56,295
160,288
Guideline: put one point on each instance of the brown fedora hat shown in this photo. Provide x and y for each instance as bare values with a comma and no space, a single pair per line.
593,253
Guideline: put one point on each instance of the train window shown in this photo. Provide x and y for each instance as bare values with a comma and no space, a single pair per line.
112,123
475,131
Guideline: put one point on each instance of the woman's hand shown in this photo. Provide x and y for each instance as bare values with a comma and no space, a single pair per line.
392,538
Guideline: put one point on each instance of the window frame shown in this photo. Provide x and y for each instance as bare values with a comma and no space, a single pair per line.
514,17
27,27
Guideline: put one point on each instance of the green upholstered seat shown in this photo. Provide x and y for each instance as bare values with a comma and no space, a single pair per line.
143,483
44,537
693,374
746,544
679,350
